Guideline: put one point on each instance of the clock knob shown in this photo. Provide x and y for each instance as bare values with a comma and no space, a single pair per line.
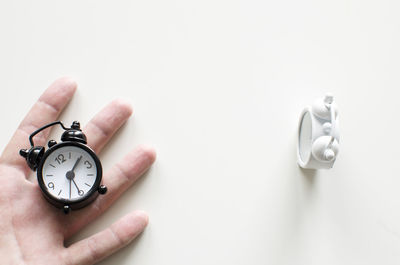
51,143
76,125
102,189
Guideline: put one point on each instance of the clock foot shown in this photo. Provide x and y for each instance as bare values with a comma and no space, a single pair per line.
66,209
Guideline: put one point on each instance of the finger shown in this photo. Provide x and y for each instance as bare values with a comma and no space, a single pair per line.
45,110
102,127
106,242
119,179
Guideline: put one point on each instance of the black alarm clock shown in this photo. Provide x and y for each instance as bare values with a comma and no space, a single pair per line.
69,173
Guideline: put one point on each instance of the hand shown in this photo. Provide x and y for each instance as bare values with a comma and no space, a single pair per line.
76,163
32,231
70,176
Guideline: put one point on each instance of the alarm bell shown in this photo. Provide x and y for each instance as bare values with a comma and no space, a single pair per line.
74,134
33,156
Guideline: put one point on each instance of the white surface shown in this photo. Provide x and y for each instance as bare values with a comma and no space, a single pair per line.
218,87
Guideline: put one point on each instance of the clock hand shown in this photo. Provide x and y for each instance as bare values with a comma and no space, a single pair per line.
76,163
71,174
76,186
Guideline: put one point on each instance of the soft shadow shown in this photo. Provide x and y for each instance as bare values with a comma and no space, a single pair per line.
309,175
298,194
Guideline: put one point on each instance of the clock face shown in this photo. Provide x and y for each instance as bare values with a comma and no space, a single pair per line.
69,173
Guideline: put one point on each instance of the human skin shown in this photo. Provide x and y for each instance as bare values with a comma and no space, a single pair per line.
32,231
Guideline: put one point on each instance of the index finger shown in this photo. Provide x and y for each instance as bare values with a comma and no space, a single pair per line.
46,109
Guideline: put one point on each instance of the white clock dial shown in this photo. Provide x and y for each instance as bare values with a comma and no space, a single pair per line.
69,172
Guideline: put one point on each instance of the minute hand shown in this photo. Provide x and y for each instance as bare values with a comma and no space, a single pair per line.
76,186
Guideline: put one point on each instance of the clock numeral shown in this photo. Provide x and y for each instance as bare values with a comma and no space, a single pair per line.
51,185
60,159
69,155
87,185
88,164
52,165
59,193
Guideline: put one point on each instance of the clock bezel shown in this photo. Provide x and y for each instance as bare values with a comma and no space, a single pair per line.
76,203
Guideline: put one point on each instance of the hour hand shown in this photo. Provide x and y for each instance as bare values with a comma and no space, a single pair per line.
76,163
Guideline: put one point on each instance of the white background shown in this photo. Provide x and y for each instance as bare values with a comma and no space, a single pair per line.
217,87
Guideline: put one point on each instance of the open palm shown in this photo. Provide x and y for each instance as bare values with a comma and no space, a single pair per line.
31,230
